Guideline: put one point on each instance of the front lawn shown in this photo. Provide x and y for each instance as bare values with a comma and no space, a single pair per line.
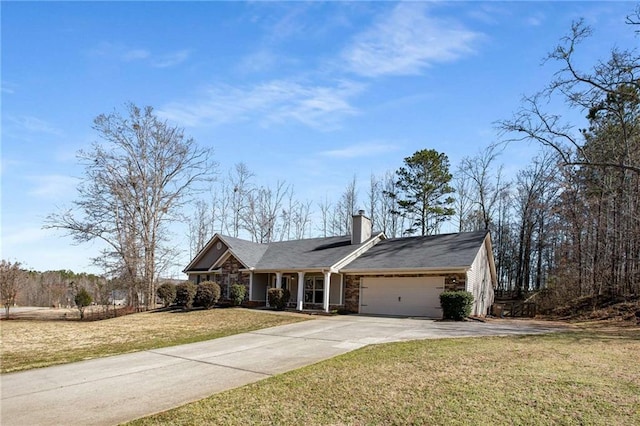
31,344
572,378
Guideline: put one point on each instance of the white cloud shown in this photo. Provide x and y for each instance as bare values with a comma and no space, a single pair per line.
369,149
260,61
535,20
32,124
7,87
134,54
53,186
407,41
25,236
124,53
269,103
172,59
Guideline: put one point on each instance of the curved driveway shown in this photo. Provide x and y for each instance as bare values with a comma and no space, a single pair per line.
111,390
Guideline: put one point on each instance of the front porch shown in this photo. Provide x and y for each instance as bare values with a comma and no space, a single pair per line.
309,290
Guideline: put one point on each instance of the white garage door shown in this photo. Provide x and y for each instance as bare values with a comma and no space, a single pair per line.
405,296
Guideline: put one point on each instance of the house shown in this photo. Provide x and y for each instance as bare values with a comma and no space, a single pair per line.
361,273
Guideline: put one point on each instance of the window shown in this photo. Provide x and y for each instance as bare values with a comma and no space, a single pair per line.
314,290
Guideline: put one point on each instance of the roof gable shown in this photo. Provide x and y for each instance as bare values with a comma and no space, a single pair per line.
246,252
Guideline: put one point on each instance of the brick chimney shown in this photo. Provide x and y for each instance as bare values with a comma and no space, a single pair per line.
360,228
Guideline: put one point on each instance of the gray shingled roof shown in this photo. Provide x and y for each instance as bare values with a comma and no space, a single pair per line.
312,253
446,251
247,252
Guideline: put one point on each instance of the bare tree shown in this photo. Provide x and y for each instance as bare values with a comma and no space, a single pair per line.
261,213
325,222
389,217
597,226
464,202
301,219
238,189
10,283
485,181
535,189
134,185
373,200
345,208
201,225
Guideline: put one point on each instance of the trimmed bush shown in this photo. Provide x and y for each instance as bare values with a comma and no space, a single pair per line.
207,294
237,293
167,293
456,305
185,292
278,298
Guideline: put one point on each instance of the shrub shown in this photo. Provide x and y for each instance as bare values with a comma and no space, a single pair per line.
167,293
207,294
237,293
82,299
278,298
456,305
185,293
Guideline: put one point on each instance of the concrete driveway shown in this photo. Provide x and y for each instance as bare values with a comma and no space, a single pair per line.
111,390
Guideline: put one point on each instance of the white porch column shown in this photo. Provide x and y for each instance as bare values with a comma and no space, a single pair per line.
266,295
250,286
300,290
278,279
327,288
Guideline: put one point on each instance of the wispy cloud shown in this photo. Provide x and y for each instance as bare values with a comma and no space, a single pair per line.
259,61
28,123
124,53
368,149
272,102
535,20
23,236
7,87
53,186
172,59
407,41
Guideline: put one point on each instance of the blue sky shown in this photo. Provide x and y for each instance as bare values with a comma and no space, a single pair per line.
310,93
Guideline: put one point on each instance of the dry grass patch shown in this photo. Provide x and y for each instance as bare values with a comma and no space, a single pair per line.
570,378
31,344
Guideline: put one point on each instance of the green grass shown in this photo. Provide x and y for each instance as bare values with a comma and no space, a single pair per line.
33,344
571,378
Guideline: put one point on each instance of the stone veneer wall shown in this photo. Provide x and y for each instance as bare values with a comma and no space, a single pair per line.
452,282
229,267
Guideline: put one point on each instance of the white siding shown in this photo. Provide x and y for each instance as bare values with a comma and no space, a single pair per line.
479,283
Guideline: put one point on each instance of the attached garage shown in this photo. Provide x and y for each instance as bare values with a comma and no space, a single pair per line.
402,296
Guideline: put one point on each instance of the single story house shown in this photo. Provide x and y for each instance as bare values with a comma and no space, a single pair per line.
362,273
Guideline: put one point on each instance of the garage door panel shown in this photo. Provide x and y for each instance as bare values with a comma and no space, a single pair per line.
404,296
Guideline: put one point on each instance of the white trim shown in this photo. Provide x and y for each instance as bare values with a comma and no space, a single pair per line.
357,253
202,251
454,270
